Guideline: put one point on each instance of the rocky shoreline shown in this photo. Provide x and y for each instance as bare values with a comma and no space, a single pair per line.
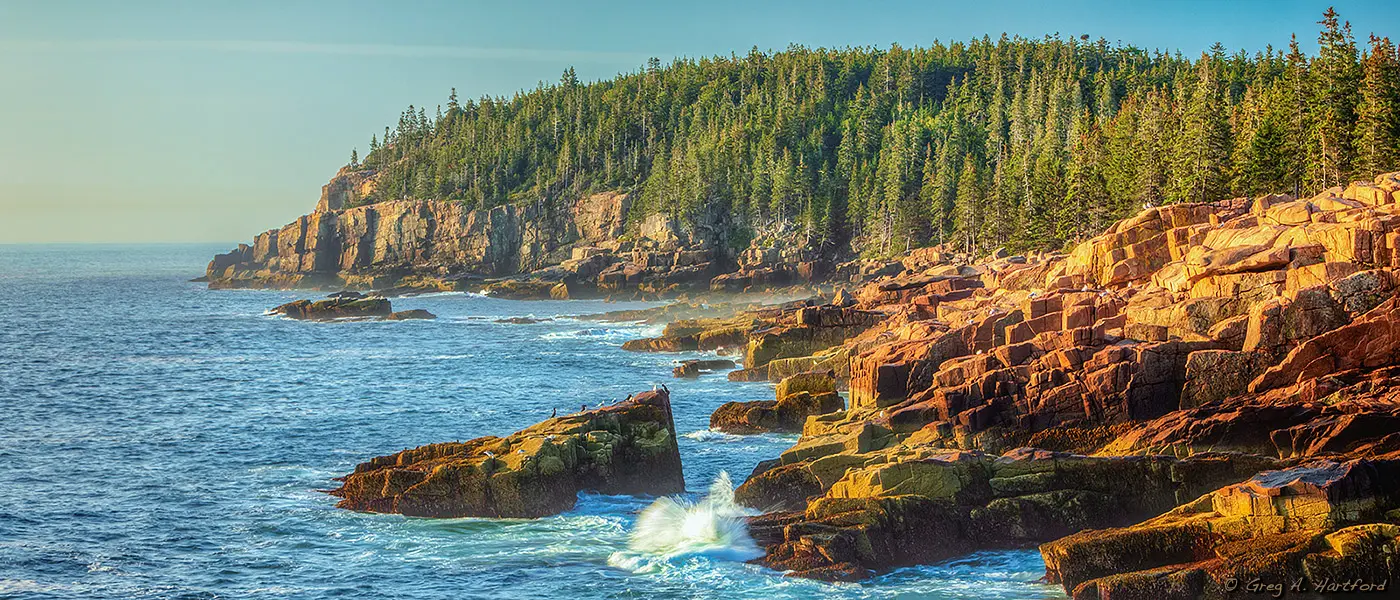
1203,393
1206,393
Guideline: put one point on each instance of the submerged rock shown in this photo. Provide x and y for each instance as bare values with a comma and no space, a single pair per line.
406,315
626,448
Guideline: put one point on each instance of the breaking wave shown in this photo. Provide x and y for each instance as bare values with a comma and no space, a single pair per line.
672,530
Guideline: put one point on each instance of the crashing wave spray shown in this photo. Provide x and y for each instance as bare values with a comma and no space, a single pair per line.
672,529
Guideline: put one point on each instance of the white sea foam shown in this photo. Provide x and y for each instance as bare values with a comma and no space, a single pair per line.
673,530
710,435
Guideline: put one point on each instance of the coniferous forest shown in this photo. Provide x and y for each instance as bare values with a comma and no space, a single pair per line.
1017,143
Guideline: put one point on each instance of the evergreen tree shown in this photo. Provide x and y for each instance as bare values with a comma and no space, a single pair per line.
1335,77
969,205
1027,143
1201,169
1378,114
1086,207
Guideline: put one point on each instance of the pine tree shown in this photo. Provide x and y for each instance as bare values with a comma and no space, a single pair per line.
1121,159
1152,151
930,192
1262,151
1296,90
354,158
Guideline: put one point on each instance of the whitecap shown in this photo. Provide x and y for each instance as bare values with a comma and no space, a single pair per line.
710,435
672,531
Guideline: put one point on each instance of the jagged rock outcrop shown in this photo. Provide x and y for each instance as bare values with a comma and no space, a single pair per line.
376,245
626,448
348,306
715,333
798,397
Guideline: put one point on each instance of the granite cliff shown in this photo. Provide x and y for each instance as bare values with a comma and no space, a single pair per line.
532,250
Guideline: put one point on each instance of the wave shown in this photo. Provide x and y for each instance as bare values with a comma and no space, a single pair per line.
443,295
714,436
710,435
674,530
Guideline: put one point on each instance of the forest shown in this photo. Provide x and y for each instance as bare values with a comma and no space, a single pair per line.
1017,143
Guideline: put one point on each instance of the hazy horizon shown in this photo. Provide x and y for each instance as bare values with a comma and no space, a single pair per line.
174,123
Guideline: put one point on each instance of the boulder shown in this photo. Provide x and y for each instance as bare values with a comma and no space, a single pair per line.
520,289
407,315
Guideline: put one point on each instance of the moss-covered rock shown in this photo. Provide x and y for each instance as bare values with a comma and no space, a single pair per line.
627,448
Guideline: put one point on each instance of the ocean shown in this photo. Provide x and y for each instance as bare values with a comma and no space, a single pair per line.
161,440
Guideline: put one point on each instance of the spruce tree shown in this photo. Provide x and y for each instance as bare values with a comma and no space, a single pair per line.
1378,114
1085,209
1201,166
969,205
1335,77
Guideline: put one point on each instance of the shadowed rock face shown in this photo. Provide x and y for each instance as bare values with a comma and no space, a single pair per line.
916,505
627,448
1318,521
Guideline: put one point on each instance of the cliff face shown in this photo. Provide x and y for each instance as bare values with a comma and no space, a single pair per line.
528,250
377,245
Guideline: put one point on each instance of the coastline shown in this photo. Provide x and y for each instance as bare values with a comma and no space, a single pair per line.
956,426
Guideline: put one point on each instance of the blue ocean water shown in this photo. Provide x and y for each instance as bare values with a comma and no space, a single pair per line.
160,440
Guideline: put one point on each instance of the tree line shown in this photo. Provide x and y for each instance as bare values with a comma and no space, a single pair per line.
1012,142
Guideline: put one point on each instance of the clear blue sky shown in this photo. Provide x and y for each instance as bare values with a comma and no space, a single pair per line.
201,121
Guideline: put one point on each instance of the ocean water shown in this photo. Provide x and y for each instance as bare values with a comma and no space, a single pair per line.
160,440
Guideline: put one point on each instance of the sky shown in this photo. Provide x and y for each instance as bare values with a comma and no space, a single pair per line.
180,121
